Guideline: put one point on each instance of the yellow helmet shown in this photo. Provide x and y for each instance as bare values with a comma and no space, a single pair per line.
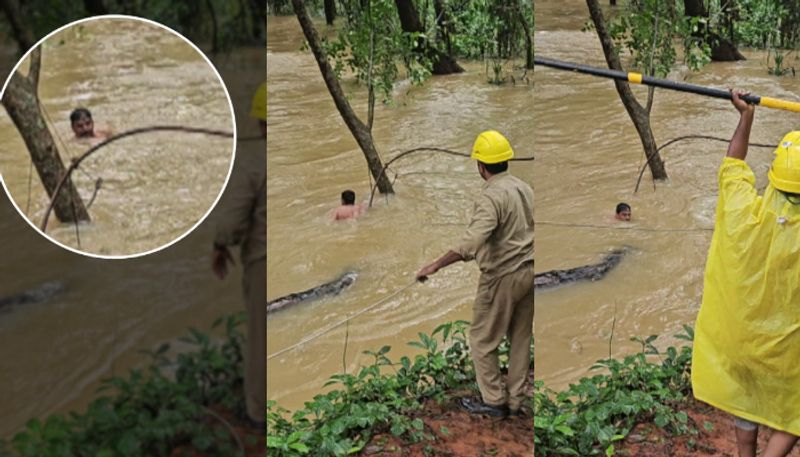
784,174
258,108
491,147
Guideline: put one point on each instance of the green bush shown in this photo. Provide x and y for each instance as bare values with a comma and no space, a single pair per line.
589,417
382,397
150,412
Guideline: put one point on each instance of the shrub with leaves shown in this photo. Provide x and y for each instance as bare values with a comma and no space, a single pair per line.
382,397
150,412
589,417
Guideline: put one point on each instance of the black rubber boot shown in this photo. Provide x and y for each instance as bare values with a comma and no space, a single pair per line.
477,406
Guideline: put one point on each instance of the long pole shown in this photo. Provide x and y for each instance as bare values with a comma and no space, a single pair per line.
638,78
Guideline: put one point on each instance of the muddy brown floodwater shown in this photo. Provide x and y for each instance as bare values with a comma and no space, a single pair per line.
156,186
312,158
587,158
55,353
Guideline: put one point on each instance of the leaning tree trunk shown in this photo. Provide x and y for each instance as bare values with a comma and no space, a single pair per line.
638,114
443,64
359,130
722,49
22,104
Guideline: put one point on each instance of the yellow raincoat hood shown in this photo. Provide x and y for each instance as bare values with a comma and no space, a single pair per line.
747,338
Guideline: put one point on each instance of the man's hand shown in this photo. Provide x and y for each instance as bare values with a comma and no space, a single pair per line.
219,261
741,105
422,275
441,262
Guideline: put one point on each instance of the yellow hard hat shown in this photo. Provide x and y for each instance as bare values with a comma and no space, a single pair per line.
491,147
258,108
784,174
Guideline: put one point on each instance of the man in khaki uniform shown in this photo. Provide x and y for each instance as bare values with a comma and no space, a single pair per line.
242,221
500,239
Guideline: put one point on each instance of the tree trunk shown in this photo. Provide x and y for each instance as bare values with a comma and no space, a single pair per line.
21,102
22,34
443,24
637,113
95,7
330,11
722,49
528,39
214,33
259,18
359,130
443,64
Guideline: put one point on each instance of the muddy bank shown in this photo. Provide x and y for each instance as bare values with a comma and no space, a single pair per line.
716,436
458,433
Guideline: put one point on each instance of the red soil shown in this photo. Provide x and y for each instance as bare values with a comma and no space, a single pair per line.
716,437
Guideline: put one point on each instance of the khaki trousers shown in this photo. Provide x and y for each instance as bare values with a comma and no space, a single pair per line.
503,307
255,352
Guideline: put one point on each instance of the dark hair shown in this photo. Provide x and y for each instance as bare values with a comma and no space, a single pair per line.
622,207
495,168
348,197
78,113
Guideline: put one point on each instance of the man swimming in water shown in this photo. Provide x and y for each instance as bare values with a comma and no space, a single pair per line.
623,212
348,209
83,126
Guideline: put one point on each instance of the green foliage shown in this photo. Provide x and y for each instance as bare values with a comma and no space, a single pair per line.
490,30
148,413
342,421
589,417
237,23
648,30
767,24
371,43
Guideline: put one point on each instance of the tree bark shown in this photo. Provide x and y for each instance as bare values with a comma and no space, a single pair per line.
637,113
330,11
359,130
22,34
443,64
443,24
22,104
528,38
259,17
722,49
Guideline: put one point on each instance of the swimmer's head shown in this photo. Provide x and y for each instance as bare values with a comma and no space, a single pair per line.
82,123
623,212
348,197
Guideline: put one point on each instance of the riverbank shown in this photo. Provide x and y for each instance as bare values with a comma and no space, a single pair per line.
641,405
187,403
407,408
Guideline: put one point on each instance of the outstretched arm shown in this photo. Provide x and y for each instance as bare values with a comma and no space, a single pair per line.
441,262
738,146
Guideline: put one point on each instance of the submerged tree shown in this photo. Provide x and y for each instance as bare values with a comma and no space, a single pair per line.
362,132
647,30
442,63
722,49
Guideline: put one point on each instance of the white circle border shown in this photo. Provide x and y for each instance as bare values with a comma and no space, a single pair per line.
233,149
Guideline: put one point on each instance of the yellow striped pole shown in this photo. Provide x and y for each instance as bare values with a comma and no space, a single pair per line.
638,78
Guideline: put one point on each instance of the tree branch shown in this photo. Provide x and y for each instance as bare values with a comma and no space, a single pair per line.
36,65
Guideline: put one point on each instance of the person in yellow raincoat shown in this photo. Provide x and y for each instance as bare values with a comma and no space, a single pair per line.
747,338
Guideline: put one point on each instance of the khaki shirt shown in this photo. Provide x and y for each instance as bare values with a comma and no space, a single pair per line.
242,216
500,235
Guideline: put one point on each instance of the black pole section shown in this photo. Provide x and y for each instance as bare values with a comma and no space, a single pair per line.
642,79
